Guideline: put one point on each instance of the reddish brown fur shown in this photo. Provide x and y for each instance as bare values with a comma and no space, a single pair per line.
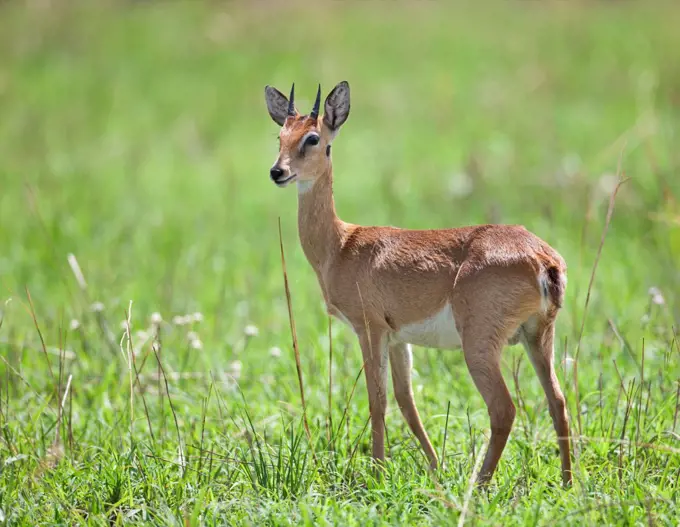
380,279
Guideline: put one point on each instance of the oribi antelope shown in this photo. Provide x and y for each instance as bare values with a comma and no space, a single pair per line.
476,287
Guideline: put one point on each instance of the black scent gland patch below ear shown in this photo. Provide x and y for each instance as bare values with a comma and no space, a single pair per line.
328,150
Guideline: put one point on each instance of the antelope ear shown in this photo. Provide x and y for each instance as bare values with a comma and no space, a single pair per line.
336,107
277,104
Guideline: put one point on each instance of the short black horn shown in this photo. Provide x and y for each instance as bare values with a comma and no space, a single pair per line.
315,110
291,101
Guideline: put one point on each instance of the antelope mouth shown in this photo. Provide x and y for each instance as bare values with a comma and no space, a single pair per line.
284,182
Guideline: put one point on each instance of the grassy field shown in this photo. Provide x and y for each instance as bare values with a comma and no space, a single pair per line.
134,136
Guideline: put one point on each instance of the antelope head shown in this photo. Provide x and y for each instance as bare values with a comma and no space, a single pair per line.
305,140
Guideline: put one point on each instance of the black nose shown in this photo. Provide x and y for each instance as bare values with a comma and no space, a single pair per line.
276,173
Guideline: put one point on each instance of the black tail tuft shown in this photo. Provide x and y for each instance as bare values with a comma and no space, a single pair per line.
555,285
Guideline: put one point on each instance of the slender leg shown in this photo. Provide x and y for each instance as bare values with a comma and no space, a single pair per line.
401,362
374,351
482,356
538,340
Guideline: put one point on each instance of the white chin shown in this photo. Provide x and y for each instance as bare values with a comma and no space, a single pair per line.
286,182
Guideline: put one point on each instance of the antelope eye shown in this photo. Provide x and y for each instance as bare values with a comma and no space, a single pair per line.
312,140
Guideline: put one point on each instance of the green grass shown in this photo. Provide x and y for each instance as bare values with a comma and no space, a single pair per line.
136,138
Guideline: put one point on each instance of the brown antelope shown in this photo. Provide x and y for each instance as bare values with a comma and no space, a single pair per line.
479,287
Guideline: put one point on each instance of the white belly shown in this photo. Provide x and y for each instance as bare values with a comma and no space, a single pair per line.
438,331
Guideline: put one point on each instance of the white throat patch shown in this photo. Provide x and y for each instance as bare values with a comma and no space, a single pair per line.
304,186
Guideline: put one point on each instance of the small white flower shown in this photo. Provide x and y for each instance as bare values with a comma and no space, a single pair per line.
156,318
656,295
607,183
235,369
197,317
460,185
275,351
75,324
196,344
180,320
251,330
97,307
568,363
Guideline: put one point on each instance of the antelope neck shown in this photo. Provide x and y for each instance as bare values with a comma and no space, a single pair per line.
321,231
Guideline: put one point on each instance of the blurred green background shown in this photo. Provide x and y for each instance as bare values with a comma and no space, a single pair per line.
134,135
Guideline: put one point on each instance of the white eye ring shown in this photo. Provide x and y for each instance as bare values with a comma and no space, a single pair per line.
311,139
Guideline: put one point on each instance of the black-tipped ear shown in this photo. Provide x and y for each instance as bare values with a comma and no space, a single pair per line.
336,107
277,104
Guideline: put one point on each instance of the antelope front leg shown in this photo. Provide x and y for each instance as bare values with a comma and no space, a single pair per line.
401,362
374,351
